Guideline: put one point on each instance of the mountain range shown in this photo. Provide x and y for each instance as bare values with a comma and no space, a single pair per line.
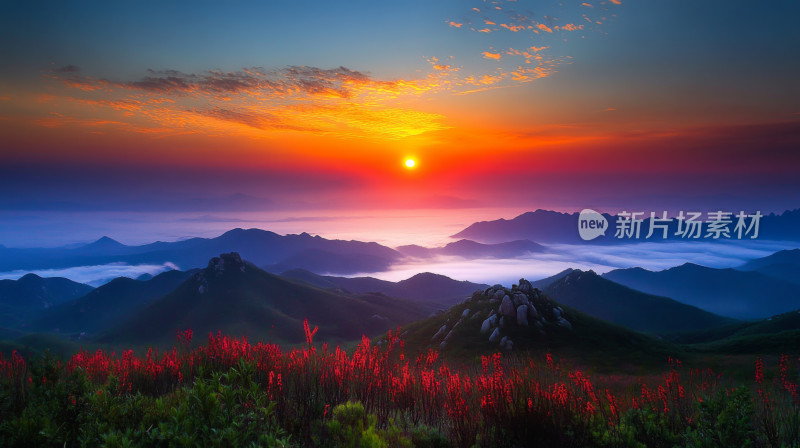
264,248
425,287
547,226
236,297
470,249
107,305
727,292
610,301
784,264
19,299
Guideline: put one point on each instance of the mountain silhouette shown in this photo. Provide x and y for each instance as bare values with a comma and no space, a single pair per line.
604,299
19,299
784,264
107,305
238,298
727,292
555,227
470,249
424,287
262,247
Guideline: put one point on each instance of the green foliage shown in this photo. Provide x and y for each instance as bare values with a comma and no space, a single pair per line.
253,400
54,411
226,409
643,428
726,420
425,437
351,427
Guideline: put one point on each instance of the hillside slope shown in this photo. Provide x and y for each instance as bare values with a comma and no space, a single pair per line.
607,300
238,298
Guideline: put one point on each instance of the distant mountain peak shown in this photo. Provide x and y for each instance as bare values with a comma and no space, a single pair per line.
579,275
428,275
30,277
105,242
693,266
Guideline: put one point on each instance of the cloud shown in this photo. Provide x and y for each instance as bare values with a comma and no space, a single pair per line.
253,119
255,101
537,35
600,258
514,28
572,27
95,275
168,84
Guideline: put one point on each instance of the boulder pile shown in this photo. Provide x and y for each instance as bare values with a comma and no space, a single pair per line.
522,305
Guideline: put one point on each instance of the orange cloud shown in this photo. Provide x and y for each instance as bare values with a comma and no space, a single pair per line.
455,24
544,27
572,27
489,22
489,55
616,2
256,102
514,28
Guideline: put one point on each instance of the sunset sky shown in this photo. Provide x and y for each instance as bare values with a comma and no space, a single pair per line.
223,106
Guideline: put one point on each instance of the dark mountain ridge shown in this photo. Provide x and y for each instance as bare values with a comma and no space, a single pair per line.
236,297
107,305
31,293
424,287
610,301
732,293
262,247
556,227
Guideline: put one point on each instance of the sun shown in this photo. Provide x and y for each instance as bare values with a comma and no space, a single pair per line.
410,163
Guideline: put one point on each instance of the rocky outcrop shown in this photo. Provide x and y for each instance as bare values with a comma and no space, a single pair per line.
439,333
520,306
489,323
495,336
522,315
225,262
499,312
507,307
217,267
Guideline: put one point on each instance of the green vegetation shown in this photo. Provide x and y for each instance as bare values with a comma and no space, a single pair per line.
231,393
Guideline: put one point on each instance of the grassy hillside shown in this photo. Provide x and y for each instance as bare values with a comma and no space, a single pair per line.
607,300
596,342
238,298
108,304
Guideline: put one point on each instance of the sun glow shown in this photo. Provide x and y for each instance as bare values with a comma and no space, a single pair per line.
410,163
